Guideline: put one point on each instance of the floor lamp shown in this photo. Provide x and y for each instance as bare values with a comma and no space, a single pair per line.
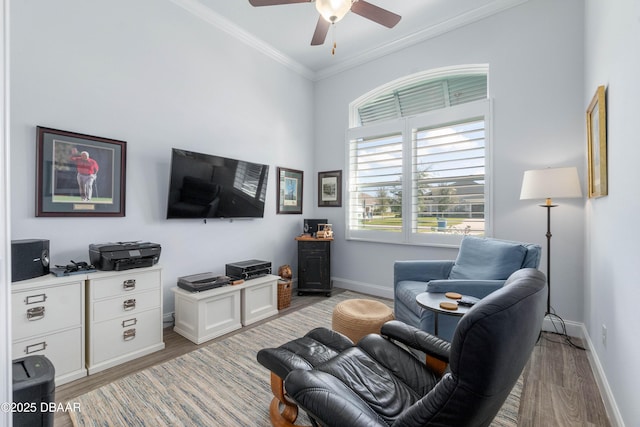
548,184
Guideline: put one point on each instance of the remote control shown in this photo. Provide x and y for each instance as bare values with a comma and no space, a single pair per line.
468,301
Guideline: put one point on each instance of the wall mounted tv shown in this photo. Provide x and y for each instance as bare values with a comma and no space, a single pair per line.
208,186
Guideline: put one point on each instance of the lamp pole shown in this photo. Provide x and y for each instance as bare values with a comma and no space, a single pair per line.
548,205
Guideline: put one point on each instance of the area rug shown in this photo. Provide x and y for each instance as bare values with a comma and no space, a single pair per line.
221,384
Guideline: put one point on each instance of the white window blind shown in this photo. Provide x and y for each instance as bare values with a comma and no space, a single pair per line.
449,178
424,96
375,184
425,137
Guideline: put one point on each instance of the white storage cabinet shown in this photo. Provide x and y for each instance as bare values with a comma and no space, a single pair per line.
48,319
124,316
202,316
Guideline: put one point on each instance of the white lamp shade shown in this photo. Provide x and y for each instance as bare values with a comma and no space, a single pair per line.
333,10
551,183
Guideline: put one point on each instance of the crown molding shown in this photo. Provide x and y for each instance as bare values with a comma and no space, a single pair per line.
206,14
419,36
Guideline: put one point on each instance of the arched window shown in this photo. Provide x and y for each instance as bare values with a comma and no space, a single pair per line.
425,136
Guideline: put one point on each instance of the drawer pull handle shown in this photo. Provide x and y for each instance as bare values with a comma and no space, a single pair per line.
34,299
129,304
35,347
129,334
129,285
35,313
130,322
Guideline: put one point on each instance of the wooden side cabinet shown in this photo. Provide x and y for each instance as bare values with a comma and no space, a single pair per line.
314,265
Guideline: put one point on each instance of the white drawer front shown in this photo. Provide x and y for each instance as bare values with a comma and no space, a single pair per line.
63,349
125,305
122,284
40,311
117,337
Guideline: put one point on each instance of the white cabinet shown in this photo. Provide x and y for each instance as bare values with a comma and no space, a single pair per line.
259,299
48,319
201,316
124,316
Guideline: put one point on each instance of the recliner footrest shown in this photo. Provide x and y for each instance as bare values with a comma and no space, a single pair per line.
317,346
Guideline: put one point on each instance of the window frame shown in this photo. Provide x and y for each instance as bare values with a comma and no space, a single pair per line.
406,126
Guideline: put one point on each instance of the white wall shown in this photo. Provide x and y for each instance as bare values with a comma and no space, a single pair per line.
152,74
612,34
535,56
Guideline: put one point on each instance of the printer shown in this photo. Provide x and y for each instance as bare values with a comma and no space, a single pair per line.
124,255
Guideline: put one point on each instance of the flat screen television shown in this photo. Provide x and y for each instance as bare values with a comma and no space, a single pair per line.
208,186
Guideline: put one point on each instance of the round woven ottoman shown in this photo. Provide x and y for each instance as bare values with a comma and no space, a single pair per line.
356,318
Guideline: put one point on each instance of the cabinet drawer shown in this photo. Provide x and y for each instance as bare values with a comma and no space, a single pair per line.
122,284
313,246
43,310
126,334
63,349
125,305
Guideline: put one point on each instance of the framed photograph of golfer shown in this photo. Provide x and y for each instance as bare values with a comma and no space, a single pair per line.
79,175
289,191
330,189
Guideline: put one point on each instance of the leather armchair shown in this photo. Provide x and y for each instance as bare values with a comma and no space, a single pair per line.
482,266
379,383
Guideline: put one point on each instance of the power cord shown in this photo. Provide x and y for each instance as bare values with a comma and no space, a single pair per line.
561,330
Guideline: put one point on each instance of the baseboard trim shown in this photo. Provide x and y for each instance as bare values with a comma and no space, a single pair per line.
364,288
573,329
615,417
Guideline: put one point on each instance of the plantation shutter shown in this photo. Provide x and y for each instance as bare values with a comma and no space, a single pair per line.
423,97
449,175
375,184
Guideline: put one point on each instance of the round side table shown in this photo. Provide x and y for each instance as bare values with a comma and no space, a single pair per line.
431,301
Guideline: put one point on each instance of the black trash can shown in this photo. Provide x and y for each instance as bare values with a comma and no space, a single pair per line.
33,390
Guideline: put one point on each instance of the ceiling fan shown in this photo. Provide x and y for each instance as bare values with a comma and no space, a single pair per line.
331,11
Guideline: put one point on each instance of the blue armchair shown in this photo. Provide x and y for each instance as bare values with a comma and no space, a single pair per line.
482,266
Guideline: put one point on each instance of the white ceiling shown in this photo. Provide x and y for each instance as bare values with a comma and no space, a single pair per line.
284,31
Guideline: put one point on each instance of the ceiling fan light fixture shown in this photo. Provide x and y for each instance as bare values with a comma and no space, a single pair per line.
333,10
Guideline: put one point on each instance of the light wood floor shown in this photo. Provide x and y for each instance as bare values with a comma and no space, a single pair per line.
559,387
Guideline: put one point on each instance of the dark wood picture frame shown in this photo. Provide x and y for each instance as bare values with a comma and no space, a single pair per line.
290,184
330,189
67,184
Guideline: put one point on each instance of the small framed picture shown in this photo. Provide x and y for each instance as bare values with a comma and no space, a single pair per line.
289,191
79,175
597,144
330,189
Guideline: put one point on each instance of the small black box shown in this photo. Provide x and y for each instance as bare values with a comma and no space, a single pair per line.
311,225
247,270
29,259
33,390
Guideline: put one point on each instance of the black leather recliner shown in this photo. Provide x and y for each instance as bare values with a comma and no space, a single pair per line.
380,383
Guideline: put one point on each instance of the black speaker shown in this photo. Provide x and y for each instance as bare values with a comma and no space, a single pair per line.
29,259
310,226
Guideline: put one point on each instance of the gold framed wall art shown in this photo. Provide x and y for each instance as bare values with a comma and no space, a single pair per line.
597,144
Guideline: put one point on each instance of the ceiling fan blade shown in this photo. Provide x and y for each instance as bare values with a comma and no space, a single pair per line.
320,34
375,13
257,3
